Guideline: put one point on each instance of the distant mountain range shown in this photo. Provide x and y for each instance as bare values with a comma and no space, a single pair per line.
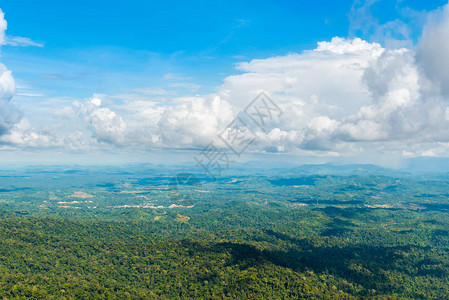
411,166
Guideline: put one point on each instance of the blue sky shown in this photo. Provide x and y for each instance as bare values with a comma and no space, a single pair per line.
111,40
144,57
105,42
111,46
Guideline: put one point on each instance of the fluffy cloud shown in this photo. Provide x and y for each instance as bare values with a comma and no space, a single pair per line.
409,94
195,122
433,49
23,134
3,26
107,126
188,122
316,90
353,95
91,123
345,96
9,114
14,129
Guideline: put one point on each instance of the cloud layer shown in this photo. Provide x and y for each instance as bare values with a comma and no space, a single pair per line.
9,114
345,97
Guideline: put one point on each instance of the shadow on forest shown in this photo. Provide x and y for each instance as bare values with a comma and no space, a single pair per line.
365,265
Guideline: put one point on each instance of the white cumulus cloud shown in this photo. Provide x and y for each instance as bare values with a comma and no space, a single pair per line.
9,114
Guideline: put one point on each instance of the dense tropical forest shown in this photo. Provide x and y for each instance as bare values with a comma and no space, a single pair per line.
146,234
